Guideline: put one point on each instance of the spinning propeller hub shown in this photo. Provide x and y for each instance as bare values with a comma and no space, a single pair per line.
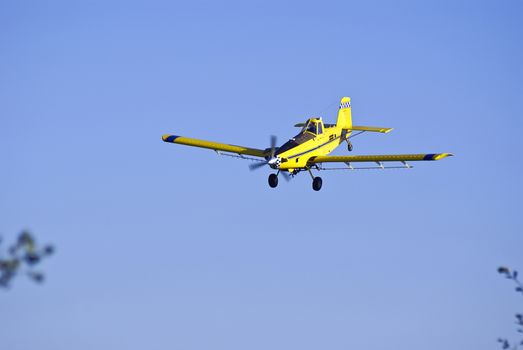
274,162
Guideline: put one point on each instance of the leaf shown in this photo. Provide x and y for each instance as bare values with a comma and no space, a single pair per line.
519,289
25,239
4,282
12,250
38,277
514,274
48,250
503,269
9,265
32,258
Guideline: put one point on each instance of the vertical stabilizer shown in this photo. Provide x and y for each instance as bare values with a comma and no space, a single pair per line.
344,114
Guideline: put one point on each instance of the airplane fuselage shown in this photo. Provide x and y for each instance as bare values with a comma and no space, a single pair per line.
295,153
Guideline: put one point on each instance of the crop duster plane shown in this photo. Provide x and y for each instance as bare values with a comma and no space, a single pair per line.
309,150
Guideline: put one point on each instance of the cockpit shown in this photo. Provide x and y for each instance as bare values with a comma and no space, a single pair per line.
314,126
311,128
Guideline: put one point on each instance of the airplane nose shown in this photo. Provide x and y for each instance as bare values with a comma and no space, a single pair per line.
274,162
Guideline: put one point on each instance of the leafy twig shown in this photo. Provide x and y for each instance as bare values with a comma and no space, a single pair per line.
22,257
512,275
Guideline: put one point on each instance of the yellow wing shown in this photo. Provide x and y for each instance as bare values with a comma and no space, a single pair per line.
355,128
379,158
214,145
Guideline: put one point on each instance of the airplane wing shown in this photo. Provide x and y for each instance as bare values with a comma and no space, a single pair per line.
355,128
214,145
378,158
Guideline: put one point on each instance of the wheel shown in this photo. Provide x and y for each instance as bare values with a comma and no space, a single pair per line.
316,183
273,180
349,146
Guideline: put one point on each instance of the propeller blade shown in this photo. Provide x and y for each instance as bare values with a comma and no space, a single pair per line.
273,145
257,165
286,175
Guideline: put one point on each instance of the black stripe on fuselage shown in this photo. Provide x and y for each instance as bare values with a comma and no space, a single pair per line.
313,149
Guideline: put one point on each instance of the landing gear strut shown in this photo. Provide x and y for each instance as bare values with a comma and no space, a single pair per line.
316,181
273,180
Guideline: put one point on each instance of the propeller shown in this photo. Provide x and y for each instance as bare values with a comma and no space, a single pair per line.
257,165
286,175
271,160
273,146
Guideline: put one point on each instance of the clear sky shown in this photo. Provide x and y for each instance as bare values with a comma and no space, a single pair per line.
161,246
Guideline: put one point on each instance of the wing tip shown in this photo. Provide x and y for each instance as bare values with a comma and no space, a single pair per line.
441,156
169,138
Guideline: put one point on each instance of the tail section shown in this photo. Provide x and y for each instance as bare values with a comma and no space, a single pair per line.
344,114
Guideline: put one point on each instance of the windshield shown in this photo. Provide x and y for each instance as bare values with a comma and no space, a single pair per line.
312,128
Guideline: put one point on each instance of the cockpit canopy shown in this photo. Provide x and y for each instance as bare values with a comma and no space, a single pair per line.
311,129
314,126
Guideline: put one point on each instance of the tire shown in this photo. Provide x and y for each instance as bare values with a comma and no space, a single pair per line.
349,146
316,183
273,180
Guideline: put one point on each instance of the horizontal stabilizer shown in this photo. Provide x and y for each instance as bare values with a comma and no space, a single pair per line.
370,128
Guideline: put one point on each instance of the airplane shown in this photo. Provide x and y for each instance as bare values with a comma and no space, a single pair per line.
309,149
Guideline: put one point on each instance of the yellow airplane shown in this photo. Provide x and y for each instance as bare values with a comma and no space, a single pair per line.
310,148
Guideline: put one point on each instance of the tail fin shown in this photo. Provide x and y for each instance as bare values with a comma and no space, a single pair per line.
344,114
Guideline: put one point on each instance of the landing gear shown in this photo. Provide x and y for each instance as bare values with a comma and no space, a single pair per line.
316,181
349,146
273,180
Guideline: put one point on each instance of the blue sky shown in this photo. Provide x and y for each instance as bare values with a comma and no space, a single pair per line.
161,246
